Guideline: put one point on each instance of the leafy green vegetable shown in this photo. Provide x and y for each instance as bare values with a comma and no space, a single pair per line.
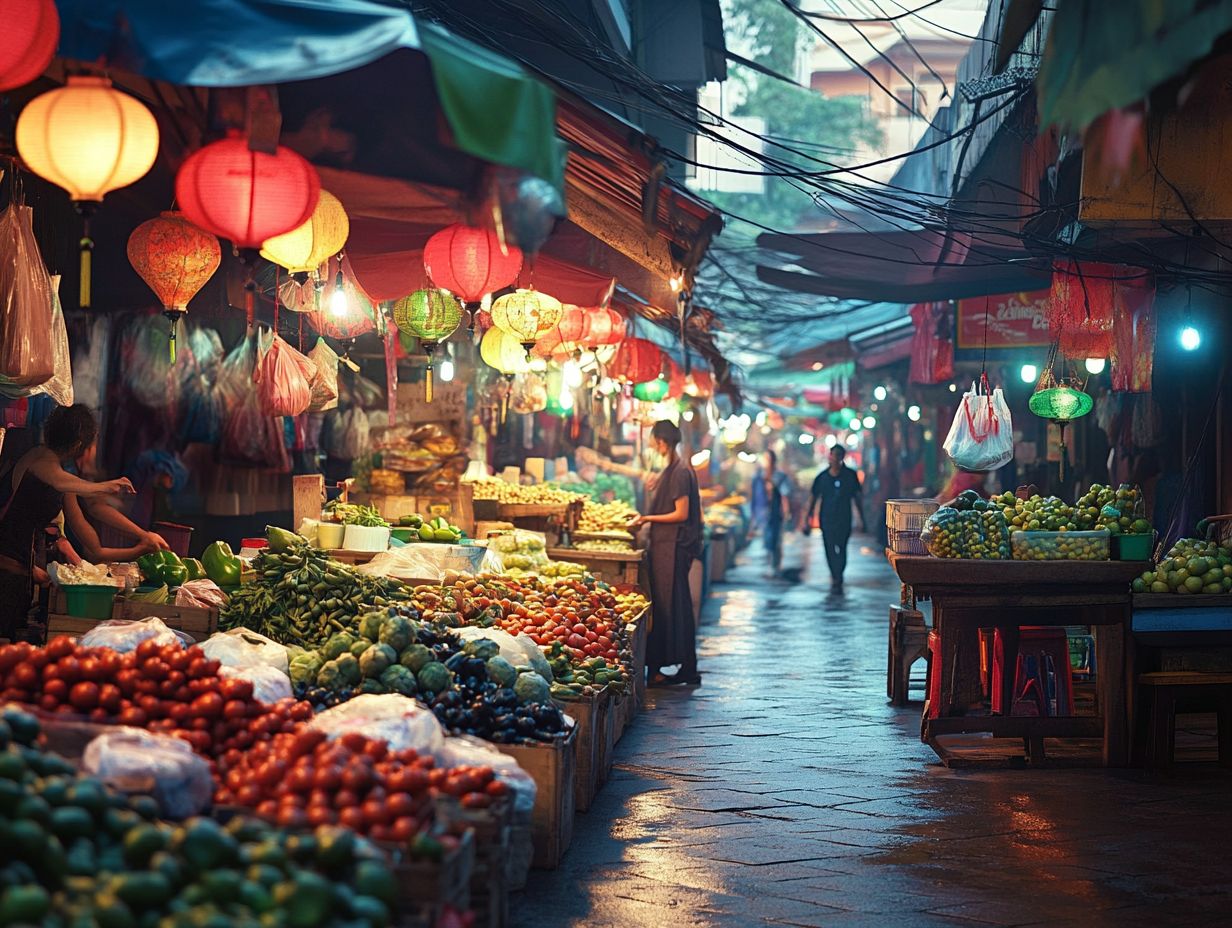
483,648
416,657
434,677
501,672
397,632
370,625
338,645
348,668
377,659
305,667
530,687
399,679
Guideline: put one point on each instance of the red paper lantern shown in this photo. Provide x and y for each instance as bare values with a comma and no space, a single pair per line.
636,361
469,262
675,380
574,325
246,196
28,40
606,327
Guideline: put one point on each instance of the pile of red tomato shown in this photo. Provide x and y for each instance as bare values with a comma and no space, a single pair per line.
300,779
164,688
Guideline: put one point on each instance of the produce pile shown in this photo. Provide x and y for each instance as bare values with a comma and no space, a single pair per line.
470,687
1121,511
606,517
430,456
437,530
519,550
300,596
616,545
299,779
1192,566
354,514
78,854
968,528
606,488
540,494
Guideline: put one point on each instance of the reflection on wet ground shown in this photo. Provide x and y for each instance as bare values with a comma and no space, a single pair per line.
785,791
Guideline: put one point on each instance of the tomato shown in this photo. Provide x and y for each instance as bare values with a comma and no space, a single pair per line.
200,740
380,833
376,749
352,817
84,695
234,709
59,647
147,649
398,805
375,813
345,798
354,742
155,669
57,689
327,777
133,715
48,703
357,778
10,657
301,711
267,809
476,801
232,688
69,669
403,829
321,815
126,680
426,762
179,660
208,705
300,779
249,794
146,687
291,817
497,788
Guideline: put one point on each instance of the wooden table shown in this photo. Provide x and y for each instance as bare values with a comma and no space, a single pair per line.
609,566
969,595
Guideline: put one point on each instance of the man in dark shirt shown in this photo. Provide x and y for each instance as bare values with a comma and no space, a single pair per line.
835,489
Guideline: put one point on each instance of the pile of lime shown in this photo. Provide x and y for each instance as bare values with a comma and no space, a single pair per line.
1192,566
437,530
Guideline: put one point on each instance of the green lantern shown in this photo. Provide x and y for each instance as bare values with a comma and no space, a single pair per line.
430,316
1060,401
652,391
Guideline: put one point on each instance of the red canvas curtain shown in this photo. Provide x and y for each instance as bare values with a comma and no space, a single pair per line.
932,345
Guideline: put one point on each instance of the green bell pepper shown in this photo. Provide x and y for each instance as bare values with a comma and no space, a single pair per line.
221,564
163,567
196,570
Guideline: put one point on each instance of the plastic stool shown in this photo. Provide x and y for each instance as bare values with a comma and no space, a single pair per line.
1160,693
908,643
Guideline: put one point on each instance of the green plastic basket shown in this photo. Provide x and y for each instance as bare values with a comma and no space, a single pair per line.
88,601
1133,547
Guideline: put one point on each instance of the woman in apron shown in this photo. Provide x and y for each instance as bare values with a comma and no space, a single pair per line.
32,495
675,520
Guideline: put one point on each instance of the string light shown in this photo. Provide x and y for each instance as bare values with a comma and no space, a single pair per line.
572,374
913,413
445,371
870,422
1191,338
854,425
879,393
831,441
337,299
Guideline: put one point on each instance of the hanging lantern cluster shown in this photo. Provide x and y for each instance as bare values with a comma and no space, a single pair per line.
470,263
28,40
175,259
527,315
90,139
430,316
574,325
308,246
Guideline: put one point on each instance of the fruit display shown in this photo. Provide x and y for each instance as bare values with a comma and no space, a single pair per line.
300,779
1060,546
425,457
520,550
558,570
973,533
78,854
606,517
540,494
1192,566
469,686
438,530
300,596
578,680
1120,511
612,545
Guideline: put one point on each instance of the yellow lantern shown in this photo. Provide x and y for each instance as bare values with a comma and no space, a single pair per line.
502,351
90,139
307,247
527,315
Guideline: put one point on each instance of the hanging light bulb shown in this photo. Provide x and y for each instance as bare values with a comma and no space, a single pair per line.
566,397
1095,365
854,425
879,393
1191,338
338,300
572,374
1029,373
870,422
913,413
446,371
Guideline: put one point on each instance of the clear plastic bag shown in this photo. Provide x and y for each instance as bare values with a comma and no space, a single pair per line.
123,635
27,349
268,683
430,562
518,649
148,372
167,768
251,437
398,720
60,386
235,379
348,439
325,388
241,647
463,750
203,593
981,437
284,380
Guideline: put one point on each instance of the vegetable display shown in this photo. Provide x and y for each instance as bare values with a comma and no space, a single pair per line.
301,779
163,568
301,596
438,530
222,565
355,514
79,854
1192,566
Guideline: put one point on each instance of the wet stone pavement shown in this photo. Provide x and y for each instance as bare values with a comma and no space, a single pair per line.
785,791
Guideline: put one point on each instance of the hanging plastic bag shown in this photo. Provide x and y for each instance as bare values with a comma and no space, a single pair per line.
235,379
27,349
282,379
165,767
325,389
982,435
202,412
348,439
60,386
250,437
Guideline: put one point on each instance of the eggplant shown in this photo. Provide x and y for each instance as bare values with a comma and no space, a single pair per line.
505,697
456,662
504,720
525,726
453,717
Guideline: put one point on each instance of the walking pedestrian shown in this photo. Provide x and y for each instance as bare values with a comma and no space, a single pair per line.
776,490
835,490
675,520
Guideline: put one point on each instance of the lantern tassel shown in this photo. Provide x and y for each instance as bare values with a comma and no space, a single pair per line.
428,384
87,247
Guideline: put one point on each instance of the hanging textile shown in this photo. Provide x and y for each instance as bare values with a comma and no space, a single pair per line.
932,345
1133,336
1080,311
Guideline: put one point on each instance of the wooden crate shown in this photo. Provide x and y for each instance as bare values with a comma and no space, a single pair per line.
552,767
492,831
608,566
639,629
622,713
585,712
196,621
605,737
427,887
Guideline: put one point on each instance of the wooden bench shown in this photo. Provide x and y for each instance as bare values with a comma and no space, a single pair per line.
1161,692
908,643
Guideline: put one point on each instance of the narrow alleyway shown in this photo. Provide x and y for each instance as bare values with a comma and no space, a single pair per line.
785,791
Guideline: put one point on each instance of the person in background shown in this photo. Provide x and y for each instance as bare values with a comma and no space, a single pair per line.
83,516
675,520
834,491
32,493
776,491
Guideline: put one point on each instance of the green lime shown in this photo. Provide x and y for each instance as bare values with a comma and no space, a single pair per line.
1159,587
1193,584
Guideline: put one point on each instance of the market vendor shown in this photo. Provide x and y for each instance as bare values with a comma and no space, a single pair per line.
675,521
32,494
82,516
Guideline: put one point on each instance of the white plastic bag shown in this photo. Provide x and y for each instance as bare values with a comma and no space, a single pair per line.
518,649
241,647
399,720
203,593
350,435
131,760
431,562
460,750
269,684
26,342
982,435
123,635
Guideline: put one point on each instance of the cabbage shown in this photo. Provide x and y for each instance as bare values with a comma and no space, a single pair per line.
397,632
377,659
416,657
434,677
530,687
501,672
